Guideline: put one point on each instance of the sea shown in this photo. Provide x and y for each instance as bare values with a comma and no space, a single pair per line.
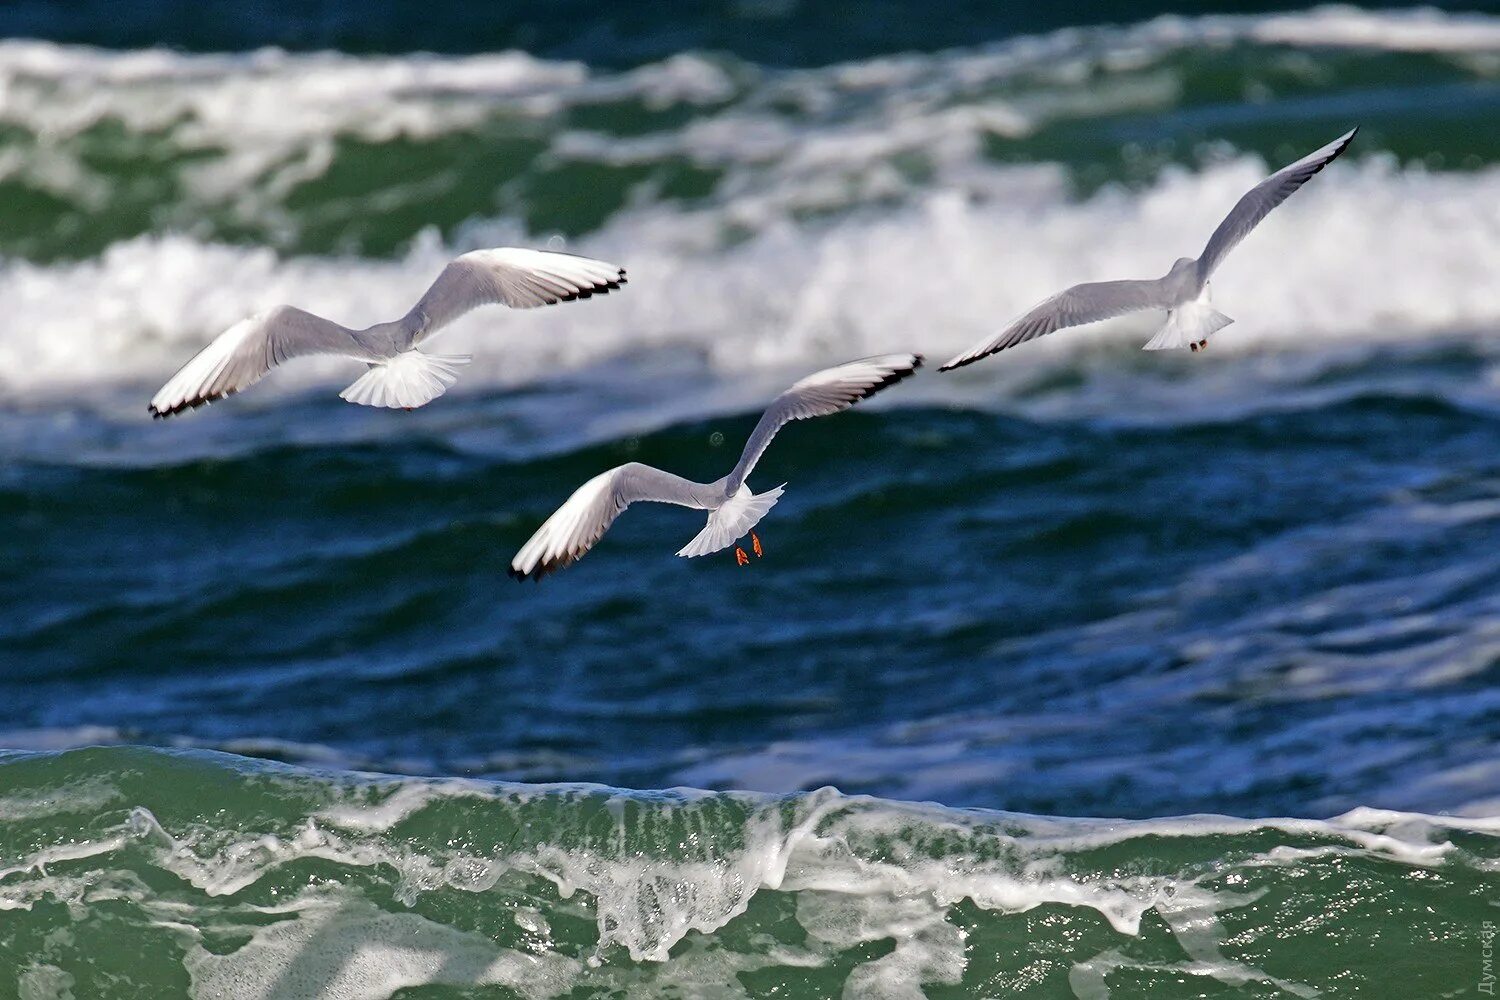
1080,672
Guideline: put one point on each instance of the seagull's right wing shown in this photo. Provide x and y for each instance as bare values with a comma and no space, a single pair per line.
821,393
512,276
1262,198
1076,306
580,522
241,355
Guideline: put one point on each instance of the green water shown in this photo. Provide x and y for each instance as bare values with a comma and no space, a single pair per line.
143,873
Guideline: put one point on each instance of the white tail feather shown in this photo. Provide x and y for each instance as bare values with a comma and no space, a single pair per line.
732,521
1188,324
407,381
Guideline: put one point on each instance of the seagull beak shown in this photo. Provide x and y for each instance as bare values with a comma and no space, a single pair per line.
740,559
755,544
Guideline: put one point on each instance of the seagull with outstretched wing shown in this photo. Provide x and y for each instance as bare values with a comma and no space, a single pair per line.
1183,292
732,509
399,375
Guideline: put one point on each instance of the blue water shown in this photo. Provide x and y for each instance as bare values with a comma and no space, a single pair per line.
1074,580
770,32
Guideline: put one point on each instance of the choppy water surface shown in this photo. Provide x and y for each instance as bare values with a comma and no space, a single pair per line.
1076,580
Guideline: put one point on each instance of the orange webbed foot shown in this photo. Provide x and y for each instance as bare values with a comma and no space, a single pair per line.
740,559
755,545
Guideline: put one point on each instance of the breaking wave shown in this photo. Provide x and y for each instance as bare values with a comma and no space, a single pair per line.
254,880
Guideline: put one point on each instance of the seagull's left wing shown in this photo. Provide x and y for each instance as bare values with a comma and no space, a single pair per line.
586,515
516,277
1264,197
821,393
1086,303
243,354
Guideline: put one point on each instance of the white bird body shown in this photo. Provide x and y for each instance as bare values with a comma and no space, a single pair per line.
1183,291
733,509
399,375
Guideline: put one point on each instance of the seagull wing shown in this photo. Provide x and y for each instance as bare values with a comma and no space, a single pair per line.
1080,304
820,394
580,522
519,278
241,355
1262,198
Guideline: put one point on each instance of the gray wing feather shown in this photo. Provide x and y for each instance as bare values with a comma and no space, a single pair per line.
240,356
1264,197
582,520
1086,303
512,276
821,393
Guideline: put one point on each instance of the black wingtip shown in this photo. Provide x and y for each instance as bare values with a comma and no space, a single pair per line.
899,374
536,573
960,363
598,288
188,404
890,379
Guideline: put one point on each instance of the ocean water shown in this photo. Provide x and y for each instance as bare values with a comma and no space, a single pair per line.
1136,675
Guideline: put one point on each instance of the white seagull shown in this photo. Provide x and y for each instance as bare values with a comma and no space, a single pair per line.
732,509
1183,292
399,375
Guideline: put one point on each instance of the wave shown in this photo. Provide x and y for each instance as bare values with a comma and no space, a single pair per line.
254,880
323,152
271,94
38,71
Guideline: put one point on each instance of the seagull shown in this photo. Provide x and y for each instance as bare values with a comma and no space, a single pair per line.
732,509
1183,292
399,375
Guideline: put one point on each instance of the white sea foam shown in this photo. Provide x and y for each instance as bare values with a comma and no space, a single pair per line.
933,276
1417,30
86,794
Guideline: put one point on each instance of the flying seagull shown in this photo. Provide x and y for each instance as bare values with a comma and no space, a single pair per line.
399,375
1183,292
732,509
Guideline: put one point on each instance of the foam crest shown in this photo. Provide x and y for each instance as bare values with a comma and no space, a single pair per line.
271,95
1418,30
268,95
677,890
649,888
